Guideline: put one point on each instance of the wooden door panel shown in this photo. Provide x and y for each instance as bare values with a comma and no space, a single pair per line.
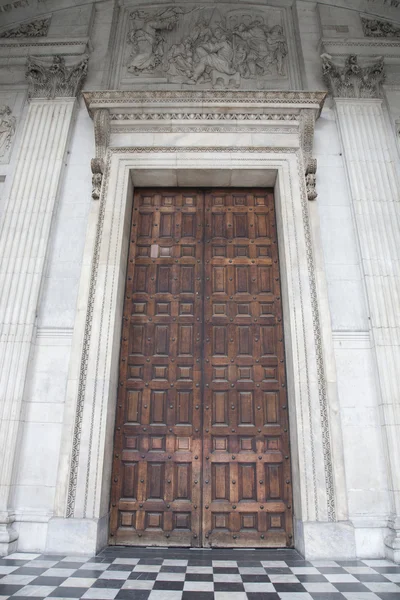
201,451
156,492
246,468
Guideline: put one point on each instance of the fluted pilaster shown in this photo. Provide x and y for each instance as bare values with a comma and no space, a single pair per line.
24,238
375,195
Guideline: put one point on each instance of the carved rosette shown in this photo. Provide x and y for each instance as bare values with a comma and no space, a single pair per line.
55,79
351,80
101,120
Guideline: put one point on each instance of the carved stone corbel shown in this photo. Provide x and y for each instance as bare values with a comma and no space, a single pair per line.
101,120
307,125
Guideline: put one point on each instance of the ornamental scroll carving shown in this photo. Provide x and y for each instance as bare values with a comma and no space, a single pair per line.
55,79
101,120
352,80
38,28
207,47
379,29
7,129
307,125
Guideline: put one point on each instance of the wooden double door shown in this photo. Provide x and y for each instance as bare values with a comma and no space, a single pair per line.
201,453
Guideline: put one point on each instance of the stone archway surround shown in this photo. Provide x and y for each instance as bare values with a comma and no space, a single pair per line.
202,139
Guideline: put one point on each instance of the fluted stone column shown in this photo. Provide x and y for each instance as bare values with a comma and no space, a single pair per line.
375,193
24,237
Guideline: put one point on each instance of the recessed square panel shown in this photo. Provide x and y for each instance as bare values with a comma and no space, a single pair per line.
187,251
220,374
160,372
189,201
136,372
218,201
220,520
241,251
185,373
219,309
142,251
248,521
127,519
272,444
163,308
182,520
168,201
276,521
267,309
263,251
157,443
243,309
220,443
270,373
131,442
165,251
183,444
186,309
239,200
245,373
146,201
261,201
154,520
247,444
219,251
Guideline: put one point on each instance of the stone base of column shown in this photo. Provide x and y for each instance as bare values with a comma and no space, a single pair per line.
77,536
392,546
8,537
321,540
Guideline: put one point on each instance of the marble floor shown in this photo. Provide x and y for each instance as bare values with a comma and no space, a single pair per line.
183,574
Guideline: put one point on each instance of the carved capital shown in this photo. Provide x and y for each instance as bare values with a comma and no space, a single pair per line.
55,79
351,80
307,126
101,121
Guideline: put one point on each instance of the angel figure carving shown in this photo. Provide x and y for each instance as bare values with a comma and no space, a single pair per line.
147,40
7,129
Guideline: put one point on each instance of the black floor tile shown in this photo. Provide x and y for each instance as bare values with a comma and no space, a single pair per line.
370,577
388,595
87,573
351,587
29,571
386,569
172,569
289,587
43,580
51,557
226,570
255,579
311,578
168,585
109,583
143,575
228,587
262,596
13,562
331,570
198,596
9,590
278,571
69,565
67,592
199,577
133,594
151,561
120,567
327,596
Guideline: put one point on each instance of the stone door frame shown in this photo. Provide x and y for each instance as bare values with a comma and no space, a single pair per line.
320,509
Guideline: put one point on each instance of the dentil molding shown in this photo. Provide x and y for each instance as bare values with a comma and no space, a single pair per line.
204,111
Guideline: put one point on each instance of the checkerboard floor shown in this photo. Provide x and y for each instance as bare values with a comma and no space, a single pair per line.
183,574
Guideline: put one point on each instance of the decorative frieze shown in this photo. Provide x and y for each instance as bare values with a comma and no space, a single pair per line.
379,28
7,129
55,79
351,80
37,28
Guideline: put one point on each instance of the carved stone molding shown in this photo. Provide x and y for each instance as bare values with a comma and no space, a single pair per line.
37,28
101,120
55,79
379,29
351,80
7,129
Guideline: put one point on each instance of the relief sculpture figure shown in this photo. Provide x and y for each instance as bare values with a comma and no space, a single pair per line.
146,39
7,129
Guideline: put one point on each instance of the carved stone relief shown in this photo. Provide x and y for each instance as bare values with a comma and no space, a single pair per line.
352,80
206,47
379,29
7,130
38,28
101,120
54,79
